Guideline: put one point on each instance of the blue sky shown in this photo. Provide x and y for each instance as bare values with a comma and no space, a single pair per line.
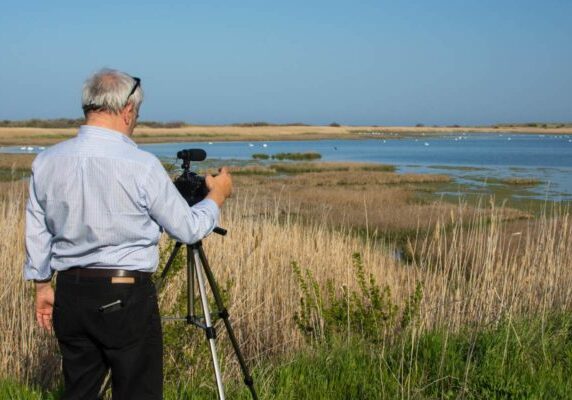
354,62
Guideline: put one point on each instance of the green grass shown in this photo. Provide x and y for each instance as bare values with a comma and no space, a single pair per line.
524,359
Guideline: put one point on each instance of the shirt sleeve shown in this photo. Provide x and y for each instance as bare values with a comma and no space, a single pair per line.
38,239
172,212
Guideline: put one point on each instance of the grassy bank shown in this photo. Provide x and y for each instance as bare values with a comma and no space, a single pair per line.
516,359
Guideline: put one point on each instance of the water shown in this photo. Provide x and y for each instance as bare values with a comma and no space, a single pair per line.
547,158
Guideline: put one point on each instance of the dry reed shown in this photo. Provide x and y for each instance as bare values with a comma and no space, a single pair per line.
473,271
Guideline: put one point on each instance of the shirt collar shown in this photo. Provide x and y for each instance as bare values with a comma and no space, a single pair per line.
104,133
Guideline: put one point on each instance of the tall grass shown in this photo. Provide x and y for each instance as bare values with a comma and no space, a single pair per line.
25,353
473,274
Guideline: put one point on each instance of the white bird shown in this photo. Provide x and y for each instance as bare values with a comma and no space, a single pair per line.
22,148
264,145
29,148
42,148
250,145
210,142
426,144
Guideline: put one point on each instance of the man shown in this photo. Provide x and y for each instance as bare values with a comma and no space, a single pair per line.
96,208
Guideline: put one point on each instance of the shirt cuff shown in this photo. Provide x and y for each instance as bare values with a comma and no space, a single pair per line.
33,274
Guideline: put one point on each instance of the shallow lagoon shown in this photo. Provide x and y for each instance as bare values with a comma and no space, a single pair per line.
474,159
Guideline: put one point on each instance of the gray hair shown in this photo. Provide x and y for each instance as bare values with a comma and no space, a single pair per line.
108,90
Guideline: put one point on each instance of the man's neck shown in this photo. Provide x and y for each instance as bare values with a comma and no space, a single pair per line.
108,122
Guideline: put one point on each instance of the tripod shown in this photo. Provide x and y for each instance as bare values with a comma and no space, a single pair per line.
198,267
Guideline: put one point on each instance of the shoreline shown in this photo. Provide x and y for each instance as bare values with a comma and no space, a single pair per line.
143,135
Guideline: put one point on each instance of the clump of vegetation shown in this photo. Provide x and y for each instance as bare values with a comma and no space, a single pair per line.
335,125
521,181
378,168
297,168
297,156
260,156
253,170
512,181
368,311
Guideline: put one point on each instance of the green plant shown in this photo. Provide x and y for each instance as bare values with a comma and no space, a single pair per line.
367,311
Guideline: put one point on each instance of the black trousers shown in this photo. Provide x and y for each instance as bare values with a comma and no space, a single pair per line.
125,337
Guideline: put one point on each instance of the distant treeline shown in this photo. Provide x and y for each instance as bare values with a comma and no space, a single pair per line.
42,123
262,123
535,125
74,123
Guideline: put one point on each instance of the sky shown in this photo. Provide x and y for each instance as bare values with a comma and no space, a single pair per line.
351,62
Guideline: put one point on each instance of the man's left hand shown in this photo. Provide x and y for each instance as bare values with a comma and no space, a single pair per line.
44,305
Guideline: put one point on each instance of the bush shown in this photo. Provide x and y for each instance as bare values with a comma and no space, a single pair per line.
334,124
260,156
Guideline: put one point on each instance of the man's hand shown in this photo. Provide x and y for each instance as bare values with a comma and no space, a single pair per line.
220,186
44,304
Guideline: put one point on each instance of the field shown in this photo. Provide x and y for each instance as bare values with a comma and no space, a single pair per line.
143,134
347,281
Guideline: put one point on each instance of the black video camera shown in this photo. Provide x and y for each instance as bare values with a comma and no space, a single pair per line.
193,187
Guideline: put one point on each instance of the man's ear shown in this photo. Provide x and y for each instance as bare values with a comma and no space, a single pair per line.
126,113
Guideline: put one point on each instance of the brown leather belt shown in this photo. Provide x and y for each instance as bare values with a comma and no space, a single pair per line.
83,272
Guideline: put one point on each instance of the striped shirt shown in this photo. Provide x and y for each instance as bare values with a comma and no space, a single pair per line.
98,201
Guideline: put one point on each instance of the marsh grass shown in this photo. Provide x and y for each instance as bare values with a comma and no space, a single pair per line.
474,273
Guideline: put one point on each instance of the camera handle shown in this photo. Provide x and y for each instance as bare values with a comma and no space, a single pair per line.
198,267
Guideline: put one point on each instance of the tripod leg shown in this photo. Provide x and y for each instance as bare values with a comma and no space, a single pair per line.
160,281
210,331
191,267
223,313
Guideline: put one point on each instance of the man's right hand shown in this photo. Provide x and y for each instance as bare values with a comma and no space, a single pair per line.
220,186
